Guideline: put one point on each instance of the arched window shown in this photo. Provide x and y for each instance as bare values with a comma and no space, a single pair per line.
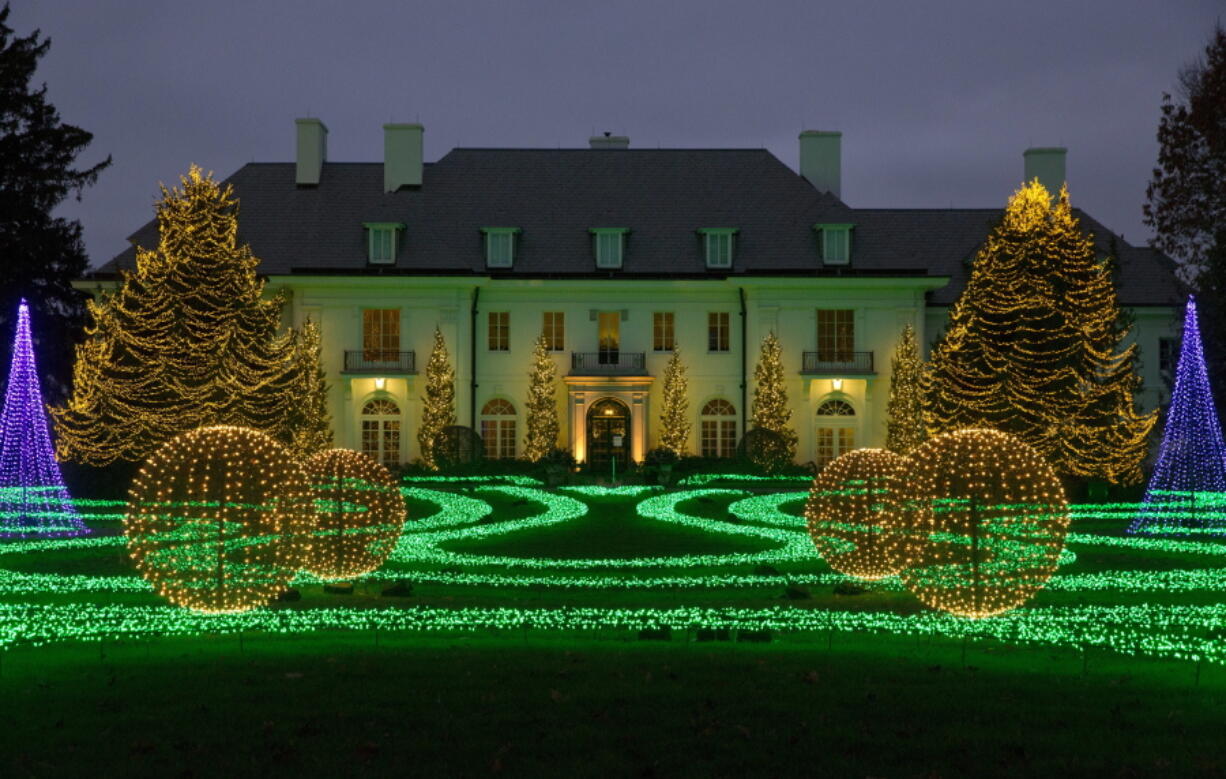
498,429
381,431
717,429
836,431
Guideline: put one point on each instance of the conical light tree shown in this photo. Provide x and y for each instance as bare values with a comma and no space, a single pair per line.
1034,347
438,403
187,340
770,397
33,500
542,405
675,416
311,424
1184,492
905,410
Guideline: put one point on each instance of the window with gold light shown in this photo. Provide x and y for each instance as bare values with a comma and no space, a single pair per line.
498,429
381,431
717,429
836,431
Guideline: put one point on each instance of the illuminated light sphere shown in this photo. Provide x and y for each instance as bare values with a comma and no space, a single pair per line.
359,513
33,499
850,511
985,520
1185,493
217,518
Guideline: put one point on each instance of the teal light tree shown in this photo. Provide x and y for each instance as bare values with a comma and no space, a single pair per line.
33,500
1185,492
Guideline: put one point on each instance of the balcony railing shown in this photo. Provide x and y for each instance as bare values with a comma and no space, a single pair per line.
379,361
837,363
608,364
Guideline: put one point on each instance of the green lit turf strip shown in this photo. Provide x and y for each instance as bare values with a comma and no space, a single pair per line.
454,509
765,509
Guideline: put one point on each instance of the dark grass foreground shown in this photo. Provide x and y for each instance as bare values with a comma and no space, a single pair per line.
342,706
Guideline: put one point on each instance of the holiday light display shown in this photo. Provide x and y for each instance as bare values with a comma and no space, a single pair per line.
359,514
33,499
218,518
675,411
852,509
310,424
542,406
905,409
1185,491
770,403
1035,347
985,520
438,401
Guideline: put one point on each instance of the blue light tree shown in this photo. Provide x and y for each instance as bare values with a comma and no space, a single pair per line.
33,500
1185,492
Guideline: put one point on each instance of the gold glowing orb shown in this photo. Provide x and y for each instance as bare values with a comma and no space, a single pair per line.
359,513
850,510
985,522
215,518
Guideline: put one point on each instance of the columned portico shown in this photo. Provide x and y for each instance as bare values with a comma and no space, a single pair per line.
583,392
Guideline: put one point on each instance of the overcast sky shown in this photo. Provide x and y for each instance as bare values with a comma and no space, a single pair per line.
936,100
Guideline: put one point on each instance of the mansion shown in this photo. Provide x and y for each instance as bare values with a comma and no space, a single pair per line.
618,255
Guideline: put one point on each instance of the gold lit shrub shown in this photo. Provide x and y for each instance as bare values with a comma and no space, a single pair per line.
849,511
215,518
985,522
359,514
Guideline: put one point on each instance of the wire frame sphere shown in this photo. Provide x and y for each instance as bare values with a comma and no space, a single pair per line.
851,510
215,519
359,513
985,522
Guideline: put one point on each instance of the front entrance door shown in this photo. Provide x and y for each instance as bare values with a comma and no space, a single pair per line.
608,433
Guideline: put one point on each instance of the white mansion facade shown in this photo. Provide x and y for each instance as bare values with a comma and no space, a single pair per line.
619,255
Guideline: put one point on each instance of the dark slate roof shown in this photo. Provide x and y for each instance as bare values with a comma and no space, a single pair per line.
555,195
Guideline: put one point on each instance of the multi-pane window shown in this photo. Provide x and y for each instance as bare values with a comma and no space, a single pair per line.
717,429
500,246
381,334
836,244
609,243
553,326
662,339
836,431
608,336
1168,358
381,242
500,331
381,431
836,334
718,248
498,429
717,331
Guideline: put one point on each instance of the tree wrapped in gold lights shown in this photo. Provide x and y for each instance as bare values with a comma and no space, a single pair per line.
1034,347
359,514
905,409
852,513
310,423
675,416
985,522
542,405
438,401
770,399
187,340
216,519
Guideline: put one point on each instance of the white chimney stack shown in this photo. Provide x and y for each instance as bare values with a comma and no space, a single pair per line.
1047,165
312,151
402,156
821,160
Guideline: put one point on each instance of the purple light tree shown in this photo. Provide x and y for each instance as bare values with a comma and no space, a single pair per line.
33,500
1185,493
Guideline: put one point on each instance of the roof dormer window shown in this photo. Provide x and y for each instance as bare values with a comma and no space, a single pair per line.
500,246
835,243
381,239
608,243
718,245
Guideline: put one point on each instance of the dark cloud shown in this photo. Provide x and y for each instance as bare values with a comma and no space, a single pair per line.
936,100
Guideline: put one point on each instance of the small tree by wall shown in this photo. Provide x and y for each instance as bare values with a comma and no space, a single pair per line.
675,415
542,405
905,409
438,402
770,397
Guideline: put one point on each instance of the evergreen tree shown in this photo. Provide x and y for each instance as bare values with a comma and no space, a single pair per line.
1034,347
40,254
542,405
905,410
311,424
770,397
675,416
186,341
438,404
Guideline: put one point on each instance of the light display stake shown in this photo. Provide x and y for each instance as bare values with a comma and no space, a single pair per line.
850,512
33,500
985,522
1192,460
359,514
217,518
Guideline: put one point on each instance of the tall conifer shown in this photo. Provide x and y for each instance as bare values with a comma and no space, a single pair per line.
675,416
905,409
770,398
542,405
438,403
